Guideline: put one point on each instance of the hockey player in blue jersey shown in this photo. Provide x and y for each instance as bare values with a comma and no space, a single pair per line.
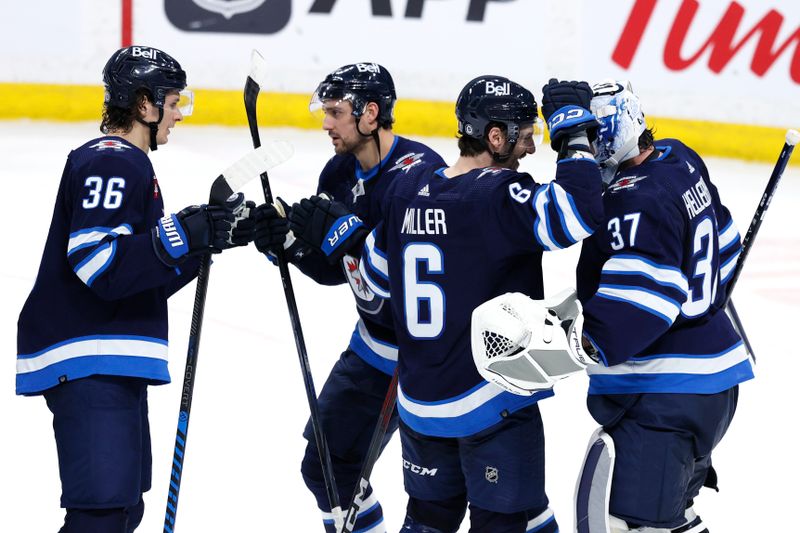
652,282
357,103
92,334
450,238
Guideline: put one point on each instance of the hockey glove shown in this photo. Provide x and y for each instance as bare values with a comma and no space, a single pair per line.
327,226
271,228
197,229
565,106
244,223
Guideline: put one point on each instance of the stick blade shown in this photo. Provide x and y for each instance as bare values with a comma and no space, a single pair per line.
258,68
267,156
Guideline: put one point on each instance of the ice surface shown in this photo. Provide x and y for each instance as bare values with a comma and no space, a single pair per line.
241,471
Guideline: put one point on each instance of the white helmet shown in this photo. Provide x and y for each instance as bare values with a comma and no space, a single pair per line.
621,124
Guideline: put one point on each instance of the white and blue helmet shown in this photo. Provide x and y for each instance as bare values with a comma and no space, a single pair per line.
621,124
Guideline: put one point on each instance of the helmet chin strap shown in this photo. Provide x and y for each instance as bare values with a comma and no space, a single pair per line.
153,126
497,157
375,137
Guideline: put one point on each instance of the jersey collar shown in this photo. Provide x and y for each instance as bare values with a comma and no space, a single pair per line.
371,173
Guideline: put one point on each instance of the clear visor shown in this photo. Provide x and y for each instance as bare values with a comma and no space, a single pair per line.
186,102
531,135
322,105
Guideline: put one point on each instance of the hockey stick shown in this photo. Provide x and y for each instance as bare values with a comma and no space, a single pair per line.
251,90
792,137
372,455
230,180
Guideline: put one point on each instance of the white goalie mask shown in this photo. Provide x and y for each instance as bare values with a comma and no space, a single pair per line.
621,124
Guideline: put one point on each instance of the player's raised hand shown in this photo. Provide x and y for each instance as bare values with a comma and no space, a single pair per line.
271,227
327,226
565,107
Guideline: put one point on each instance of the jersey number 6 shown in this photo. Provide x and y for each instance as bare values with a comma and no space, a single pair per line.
423,301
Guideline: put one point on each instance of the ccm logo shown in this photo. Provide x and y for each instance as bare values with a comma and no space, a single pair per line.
421,470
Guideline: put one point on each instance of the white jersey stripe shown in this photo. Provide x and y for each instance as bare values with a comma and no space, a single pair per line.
96,263
88,347
376,259
664,275
82,239
542,223
536,522
676,364
646,300
575,228
382,349
452,408
727,269
729,235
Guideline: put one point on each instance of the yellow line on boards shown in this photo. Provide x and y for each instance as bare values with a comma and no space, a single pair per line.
72,103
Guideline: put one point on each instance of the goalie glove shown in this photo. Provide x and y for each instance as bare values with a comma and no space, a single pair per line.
524,345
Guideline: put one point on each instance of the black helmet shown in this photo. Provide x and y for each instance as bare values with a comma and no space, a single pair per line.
137,67
360,83
494,99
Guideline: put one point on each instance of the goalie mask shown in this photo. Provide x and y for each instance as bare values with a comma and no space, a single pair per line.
359,84
621,124
488,99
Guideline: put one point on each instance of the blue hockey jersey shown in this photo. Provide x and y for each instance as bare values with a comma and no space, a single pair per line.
362,192
99,303
447,245
653,281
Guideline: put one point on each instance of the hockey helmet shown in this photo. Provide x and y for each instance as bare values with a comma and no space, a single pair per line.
142,67
491,98
621,124
359,83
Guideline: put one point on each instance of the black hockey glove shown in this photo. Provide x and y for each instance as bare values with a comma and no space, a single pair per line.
327,226
271,228
565,107
195,230
244,224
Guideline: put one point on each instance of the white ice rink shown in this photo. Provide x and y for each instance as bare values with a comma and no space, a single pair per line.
241,471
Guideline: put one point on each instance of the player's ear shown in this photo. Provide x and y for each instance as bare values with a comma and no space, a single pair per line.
142,105
371,111
495,138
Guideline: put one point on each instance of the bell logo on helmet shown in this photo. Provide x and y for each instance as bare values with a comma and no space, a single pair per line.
149,53
498,89
368,67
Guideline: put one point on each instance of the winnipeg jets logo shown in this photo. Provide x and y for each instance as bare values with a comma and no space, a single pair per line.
365,298
489,170
407,162
627,183
110,144
358,190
